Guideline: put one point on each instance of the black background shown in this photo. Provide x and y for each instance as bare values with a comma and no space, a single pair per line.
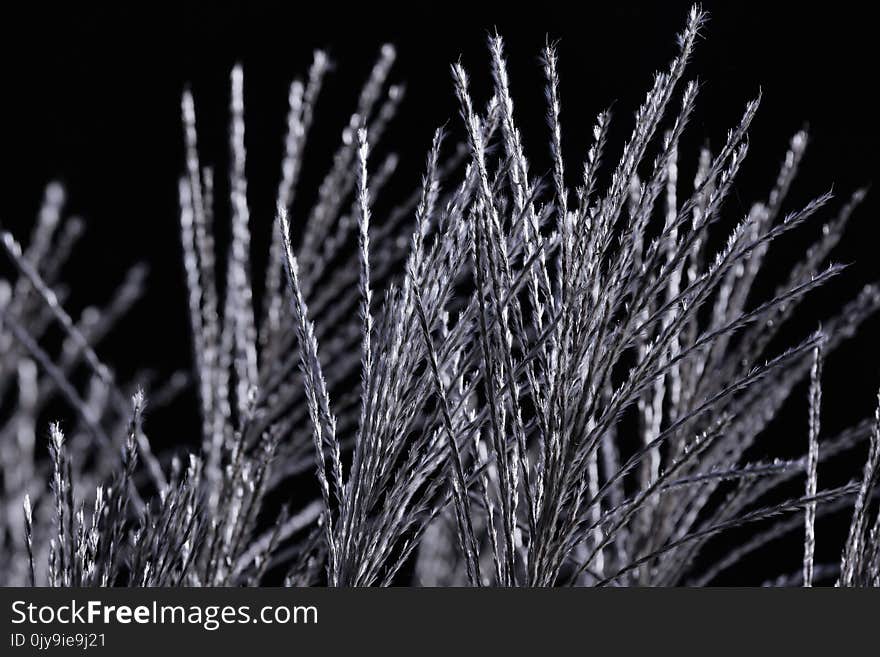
90,97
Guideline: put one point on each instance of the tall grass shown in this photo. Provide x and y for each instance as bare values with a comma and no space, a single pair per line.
510,380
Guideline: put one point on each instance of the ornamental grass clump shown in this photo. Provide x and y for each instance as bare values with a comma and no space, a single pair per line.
510,379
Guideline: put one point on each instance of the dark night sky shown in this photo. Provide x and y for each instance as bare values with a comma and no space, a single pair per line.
90,97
